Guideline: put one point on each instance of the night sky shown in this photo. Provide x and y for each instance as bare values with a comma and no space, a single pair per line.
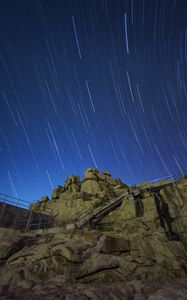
91,83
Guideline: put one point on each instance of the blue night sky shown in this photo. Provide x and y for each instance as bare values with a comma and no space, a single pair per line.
91,83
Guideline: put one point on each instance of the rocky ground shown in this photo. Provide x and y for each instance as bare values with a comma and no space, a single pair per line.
91,265
137,290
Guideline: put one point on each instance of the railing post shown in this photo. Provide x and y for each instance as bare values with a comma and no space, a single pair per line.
39,223
2,211
16,215
29,221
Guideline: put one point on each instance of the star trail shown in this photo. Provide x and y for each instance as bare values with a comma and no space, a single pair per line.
91,83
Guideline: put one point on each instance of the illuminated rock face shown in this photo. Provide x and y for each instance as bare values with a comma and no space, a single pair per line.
91,174
77,196
107,178
68,202
57,192
72,184
91,184
142,243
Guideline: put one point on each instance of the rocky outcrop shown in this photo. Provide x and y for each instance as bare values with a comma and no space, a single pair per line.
136,251
163,210
91,184
72,184
77,197
93,264
57,192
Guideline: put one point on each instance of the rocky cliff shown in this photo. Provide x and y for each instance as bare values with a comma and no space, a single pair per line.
135,250
67,203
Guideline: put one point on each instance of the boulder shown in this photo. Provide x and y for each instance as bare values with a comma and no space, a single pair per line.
44,199
109,244
91,187
11,242
91,183
107,178
72,184
57,192
91,173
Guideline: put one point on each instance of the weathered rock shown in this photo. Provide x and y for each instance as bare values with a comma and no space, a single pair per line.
137,251
57,192
45,199
12,242
96,263
91,183
111,293
8,239
72,184
119,182
82,257
107,178
72,251
108,244
69,201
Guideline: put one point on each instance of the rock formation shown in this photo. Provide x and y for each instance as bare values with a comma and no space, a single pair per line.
72,184
136,250
76,197
91,184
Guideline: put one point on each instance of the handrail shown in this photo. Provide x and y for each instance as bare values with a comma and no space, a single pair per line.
176,176
92,215
17,202
4,195
105,209
10,202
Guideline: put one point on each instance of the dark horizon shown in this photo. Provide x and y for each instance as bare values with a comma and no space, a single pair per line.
91,83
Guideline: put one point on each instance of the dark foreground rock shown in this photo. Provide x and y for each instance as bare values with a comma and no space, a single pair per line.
60,289
92,265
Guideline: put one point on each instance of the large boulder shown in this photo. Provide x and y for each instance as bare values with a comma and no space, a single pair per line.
11,242
109,244
9,239
91,183
107,178
72,184
91,173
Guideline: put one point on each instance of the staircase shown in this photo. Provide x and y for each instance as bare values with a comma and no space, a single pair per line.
96,216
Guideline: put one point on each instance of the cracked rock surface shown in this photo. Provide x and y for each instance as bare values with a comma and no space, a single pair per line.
92,265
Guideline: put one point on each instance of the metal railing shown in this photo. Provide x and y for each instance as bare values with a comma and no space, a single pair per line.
14,201
176,177
15,213
95,216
